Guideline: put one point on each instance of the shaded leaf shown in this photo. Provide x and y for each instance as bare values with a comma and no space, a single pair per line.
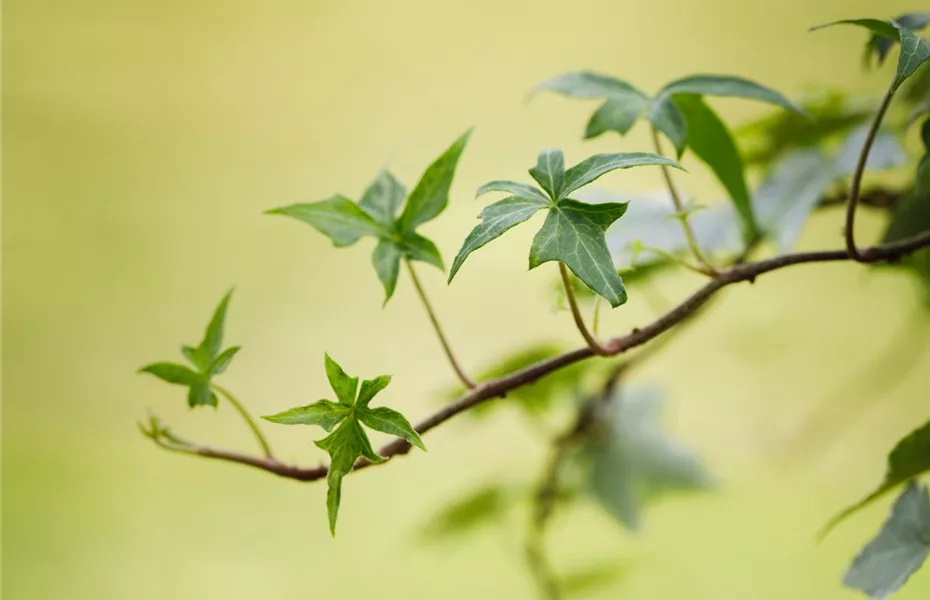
549,171
338,218
710,140
886,152
386,260
431,194
383,199
615,115
574,234
665,116
899,549
726,85
496,219
590,85
419,248
221,362
200,394
881,45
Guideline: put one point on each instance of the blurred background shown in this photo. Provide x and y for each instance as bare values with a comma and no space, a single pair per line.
142,142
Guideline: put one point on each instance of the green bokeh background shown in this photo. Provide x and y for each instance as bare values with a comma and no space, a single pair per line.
142,140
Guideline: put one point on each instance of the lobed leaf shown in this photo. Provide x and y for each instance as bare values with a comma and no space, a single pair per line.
665,116
324,413
726,85
338,218
383,199
344,386
221,362
417,247
586,84
517,189
391,422
615,115
431,194
344,446
172,373
370,388
899,549
595,166
549,171
386,261
881,45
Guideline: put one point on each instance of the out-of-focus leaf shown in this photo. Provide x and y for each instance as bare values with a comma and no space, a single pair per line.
886,152
899,549
347,440
909,458
914,49
486,505
710,140
881,45
591,578
665,116
727,85
635,461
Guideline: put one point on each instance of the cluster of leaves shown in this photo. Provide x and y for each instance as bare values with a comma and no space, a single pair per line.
375,215
208,360
347,441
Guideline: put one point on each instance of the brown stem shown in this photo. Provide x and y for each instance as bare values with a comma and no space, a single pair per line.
856,182
595,345
499,387
469,383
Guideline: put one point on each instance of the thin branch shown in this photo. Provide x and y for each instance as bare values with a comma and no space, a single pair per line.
469,383
496,388
856,182
595,345
706,267
249,420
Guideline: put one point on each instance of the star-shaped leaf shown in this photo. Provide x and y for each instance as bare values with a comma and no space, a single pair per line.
634,461
207,359
914,49
347,441
899,549
376,215
573,232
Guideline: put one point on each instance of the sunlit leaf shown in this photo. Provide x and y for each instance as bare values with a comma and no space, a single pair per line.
431,194
899,549
338,218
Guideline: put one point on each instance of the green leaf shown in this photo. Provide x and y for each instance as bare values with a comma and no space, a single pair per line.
391,422
636,462
886,152
419,248
200,394
431,194
383,198
370,388
914,49
338,218
549,171
725,85
574,234
386,260
468,511
517,189
496,219
348,442
593,167
899,549
345,387
665,116
615,115
221,362
881,45
590,85
909,458
324,413
710,140
173,373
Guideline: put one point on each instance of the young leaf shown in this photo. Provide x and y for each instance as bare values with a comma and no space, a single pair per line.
207,358
574,234
496,219
431,194
375,215
636,461
909,458
347,441
899,549
914,49
338,218
711,142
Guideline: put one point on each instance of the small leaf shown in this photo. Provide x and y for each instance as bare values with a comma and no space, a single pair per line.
468,511
386,260
593,167
665,116
549,171
615,115
419,248
590,85
520,190
344,446
324,413
914,49
338,218
726,85
391,422
909,458
345,387
383,198
173,373
899,549
370,388
200,394
496,219
710,140
574,234
431,194
221,362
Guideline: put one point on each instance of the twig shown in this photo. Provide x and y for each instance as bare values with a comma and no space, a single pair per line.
435,321
499,387
856,182
259,436
595,345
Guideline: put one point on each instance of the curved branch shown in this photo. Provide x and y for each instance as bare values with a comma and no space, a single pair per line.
497,388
